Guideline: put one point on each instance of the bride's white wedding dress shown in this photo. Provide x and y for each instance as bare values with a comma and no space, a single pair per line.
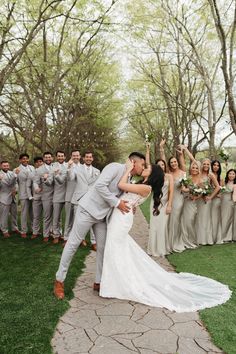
129,273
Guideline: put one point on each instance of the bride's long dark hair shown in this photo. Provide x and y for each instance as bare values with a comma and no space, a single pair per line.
156,181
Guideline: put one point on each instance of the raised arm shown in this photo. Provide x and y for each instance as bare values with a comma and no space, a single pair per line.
162,151
186,150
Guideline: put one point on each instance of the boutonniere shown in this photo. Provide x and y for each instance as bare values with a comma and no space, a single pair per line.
96,173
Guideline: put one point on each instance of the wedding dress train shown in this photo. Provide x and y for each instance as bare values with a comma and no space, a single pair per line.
129,273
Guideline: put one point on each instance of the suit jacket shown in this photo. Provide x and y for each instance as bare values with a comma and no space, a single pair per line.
31,187
7,185
104,194
22,177
84,182
71,181
47,185
59,182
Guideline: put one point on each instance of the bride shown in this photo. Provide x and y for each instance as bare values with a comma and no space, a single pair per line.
129,273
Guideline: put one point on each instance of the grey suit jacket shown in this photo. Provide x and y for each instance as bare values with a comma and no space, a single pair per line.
104,194
59,182
7,185
47,186
31,187
84,182
22,177
71,182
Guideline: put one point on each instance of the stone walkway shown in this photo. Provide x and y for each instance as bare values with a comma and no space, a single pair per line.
110,326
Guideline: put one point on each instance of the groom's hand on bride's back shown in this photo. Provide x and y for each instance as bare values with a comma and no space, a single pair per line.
123,206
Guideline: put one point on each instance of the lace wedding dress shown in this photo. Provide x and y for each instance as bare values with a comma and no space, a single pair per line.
129,273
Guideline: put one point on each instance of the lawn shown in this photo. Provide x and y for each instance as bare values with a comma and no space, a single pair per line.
217,262
29,312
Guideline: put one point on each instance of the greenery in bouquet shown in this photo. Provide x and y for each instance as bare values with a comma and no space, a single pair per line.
149,137
136,179
206,189
195,190
224,189
185,181
224,155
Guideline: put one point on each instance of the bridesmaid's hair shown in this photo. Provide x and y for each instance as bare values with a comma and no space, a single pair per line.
156,181
219,171
227,176
158,160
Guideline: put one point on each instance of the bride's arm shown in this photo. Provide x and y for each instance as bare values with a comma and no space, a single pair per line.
140,189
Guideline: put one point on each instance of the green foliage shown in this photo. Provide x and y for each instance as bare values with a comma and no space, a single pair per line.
216,262
29,312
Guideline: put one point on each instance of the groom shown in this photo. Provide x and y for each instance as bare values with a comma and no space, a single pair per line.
93,209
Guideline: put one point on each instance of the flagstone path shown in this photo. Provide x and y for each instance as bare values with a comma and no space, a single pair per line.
110,326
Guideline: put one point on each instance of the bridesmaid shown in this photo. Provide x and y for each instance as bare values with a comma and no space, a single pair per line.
174,241
216,205
234,200
188,219
158,232
227,206
204,221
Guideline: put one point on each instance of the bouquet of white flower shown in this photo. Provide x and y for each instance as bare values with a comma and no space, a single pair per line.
185,181
207,189
195,190
224,189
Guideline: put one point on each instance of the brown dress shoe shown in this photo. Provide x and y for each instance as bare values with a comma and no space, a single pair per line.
83,243
94,247
6,234
55,240
59,290
45,239
34,236
96,286
23,235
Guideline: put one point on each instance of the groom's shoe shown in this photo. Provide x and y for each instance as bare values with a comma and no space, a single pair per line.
59,290
96,286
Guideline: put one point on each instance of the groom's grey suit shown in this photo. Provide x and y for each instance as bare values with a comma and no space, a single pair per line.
93,209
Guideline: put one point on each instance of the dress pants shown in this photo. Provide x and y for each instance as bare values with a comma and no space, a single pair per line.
82,224
56,224
37,214
91,232
26,213
47,217
69,219
4,212
13,212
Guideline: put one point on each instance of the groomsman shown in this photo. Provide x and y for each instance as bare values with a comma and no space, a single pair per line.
60,176
73,165
43,183
7,189
85,177
22,173
36,198
13,213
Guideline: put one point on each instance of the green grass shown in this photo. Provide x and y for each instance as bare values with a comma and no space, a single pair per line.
217,262
29,312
